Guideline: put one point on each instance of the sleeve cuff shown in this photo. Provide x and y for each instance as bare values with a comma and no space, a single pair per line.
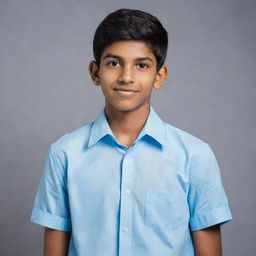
206,219
49,220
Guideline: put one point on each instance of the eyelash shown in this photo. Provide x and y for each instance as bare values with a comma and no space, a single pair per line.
111,62
147,66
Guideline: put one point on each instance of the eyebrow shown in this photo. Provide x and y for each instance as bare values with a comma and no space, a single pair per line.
109,55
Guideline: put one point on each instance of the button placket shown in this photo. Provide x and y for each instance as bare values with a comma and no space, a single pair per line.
125,224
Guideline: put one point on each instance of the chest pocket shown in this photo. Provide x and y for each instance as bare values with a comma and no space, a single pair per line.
165,210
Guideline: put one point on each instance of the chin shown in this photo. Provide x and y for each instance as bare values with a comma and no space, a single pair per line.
127,107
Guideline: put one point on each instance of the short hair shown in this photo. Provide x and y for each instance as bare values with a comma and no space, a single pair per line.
129,24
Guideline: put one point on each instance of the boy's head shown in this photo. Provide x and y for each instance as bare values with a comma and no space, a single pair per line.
127,24
130,48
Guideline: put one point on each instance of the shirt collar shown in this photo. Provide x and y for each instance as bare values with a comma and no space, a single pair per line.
154,127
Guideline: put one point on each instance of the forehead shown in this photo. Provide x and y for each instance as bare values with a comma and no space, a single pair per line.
129,49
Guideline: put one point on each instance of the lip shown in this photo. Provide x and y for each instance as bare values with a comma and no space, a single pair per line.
124,89
125,92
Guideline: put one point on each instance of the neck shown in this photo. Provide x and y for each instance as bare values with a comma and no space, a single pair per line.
127,123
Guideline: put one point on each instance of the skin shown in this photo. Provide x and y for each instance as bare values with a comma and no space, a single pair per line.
130,64
207,242
56,242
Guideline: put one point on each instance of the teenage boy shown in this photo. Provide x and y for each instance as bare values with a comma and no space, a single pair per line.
129,184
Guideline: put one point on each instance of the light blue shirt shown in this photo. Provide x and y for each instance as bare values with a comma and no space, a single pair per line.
138,201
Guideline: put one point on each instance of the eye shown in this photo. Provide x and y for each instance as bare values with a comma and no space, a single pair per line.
143,65
113,63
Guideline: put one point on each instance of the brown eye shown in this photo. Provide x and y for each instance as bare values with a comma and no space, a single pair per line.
112,63
143,66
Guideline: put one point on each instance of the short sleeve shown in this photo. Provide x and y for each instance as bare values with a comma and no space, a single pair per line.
51,204
207,199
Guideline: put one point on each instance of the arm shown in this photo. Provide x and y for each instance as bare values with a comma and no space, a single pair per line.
207,242
56,243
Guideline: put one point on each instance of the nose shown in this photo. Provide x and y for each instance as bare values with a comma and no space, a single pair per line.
126,75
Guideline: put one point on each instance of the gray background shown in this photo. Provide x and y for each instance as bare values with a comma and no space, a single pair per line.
45,92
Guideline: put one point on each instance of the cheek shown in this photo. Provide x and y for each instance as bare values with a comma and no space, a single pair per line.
107,77
147,81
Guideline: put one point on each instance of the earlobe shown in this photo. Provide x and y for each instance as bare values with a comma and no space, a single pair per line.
97,81
94,72
157,85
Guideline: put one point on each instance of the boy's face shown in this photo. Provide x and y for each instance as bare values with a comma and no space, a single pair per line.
127,65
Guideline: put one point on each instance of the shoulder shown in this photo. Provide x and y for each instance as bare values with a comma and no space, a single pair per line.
200,162
73,141
185,141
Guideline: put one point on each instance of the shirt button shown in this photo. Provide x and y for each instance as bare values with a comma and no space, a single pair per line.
125,230
128,156
127,191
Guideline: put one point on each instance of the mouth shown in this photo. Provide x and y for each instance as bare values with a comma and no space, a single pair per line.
125,92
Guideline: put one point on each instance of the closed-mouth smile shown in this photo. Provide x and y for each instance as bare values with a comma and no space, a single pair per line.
125,92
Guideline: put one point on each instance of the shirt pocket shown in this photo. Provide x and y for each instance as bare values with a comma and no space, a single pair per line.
165,210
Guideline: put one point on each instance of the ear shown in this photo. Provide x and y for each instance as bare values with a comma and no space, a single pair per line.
94,72
161,77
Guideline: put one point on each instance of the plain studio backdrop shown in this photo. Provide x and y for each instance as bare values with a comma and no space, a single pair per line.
46,92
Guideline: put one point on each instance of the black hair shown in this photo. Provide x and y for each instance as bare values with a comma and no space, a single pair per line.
129,24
